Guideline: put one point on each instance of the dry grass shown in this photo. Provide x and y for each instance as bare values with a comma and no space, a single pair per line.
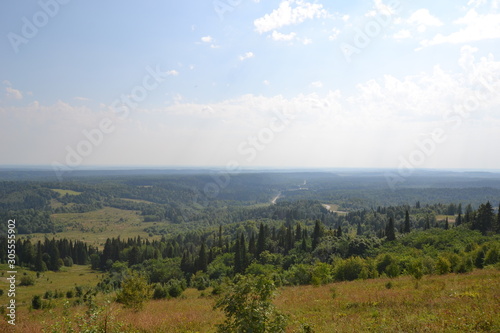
447,303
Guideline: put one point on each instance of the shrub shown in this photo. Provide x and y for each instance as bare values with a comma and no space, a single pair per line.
350,269
176,288
492,256
135,291
443,265
27,280
68,261
247,304
36,302
160,292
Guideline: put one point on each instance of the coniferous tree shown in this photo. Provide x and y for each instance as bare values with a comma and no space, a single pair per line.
39,265
406,228
459,220
317,233
252,247
498,220
298,232
238,265
53,252
261,240
202,260
484,218
389,230
446,224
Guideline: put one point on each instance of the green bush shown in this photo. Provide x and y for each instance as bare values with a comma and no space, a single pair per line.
247,304
443,265
36,302
27,280
134,292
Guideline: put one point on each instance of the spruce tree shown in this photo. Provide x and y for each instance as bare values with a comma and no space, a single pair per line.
389,230
202,261
406,228
261,240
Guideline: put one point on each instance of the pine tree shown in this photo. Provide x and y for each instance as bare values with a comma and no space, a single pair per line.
317,233
359,231
39,264
298,232
446,224
53,252
339,231
252,247
261,240
202,260
459,220
220,236
238,265
406,228
498,220
484,219
389,230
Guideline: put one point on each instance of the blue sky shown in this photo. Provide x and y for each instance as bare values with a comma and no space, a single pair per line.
381,83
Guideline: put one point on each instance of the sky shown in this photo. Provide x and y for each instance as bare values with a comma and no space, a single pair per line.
250,83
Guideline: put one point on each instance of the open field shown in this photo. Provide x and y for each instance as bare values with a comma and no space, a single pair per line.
96,226
446,303
64,280
64,192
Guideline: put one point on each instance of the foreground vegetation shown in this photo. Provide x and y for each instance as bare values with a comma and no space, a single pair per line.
441,303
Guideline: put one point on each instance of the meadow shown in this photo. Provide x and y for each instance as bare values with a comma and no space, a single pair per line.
440,303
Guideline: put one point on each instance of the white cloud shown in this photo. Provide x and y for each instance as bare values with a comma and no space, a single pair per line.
423,19
78,98
306,41
207,39
402,34
335,34
246,56
317,84
282,37
172,72
13,93
381,8
478,3
266,82
476,27
287,14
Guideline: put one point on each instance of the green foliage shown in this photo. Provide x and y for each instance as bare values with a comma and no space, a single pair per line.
443,265
134,292
350,269
248,307
321,274
299,274
27,280
36,302
160,292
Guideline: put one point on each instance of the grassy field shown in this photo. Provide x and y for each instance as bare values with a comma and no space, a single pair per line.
64,192
446,303
64,280
96,226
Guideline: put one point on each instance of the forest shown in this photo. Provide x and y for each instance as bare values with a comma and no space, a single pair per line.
222,234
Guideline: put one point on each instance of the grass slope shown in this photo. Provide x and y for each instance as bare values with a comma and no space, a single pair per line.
446,303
